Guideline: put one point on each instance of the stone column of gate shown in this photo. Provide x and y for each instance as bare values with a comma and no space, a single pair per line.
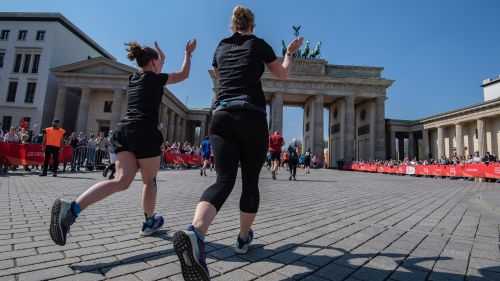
380,152
459,139
60,104
372,117
116,107
171,126
277,113
83,111
202,132
411,146
481,137
349,129
183,129
164,120
178,126
317,143
425,143
393,145
440,143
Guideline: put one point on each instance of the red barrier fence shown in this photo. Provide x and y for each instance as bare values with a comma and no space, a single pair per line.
476,170
32,154
191,160
29,154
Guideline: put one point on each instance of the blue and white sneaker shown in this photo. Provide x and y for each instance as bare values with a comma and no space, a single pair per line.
61,220
190,249
152,225
241,246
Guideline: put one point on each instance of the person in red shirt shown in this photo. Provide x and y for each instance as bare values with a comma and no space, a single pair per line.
275,144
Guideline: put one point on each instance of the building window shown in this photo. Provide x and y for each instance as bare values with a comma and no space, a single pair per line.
21,36
4,35
26,65
36,61
107,106
2,56
362,115
40,35
11,93
17,63
30,92
6,123
25,122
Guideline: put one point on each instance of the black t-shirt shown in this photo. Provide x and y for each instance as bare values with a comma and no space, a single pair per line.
240,61
144,93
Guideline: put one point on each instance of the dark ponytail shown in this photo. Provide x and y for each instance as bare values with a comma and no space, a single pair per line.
141,55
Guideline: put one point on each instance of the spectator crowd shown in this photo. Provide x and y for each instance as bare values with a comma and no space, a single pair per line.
90,151
453,160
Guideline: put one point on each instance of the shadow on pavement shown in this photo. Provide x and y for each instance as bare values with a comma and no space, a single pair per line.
341,265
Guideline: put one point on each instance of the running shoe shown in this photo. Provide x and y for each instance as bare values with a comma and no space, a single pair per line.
241,246
152,225
61,220
190,249
274,175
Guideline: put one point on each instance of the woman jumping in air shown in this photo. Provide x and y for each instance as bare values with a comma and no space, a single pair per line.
238,134
136,142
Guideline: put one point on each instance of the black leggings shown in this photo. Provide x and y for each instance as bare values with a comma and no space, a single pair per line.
293,168
237,137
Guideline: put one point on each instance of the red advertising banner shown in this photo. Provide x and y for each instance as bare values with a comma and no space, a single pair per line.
476,170
492,171
29,154
182,159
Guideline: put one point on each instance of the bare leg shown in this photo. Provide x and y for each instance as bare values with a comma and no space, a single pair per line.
126,168
246,222
203,216
149,168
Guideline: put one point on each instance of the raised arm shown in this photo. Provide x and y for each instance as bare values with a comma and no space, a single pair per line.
280,70
183,74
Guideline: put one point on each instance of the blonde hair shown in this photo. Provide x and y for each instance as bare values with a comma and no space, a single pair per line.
242,19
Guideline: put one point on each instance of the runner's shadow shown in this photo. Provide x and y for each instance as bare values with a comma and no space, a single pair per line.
332,261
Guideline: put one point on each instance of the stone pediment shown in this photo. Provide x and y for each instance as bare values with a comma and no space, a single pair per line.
96,66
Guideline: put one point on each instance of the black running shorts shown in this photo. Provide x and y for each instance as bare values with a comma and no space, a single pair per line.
143,142
275,156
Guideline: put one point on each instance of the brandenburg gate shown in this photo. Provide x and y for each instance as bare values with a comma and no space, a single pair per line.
354,96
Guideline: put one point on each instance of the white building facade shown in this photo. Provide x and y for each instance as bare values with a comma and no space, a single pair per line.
31,44
491,88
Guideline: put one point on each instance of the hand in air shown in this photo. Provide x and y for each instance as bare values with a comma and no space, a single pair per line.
160,52
190,46
295,45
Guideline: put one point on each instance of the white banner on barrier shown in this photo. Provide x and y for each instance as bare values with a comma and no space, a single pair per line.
410,170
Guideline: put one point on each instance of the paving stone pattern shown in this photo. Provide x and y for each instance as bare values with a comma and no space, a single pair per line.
330,225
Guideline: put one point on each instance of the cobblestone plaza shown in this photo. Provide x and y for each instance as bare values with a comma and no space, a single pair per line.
330,225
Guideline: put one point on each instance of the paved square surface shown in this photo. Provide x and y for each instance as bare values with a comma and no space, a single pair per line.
330,225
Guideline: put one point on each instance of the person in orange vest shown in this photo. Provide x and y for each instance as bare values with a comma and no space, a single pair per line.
52,142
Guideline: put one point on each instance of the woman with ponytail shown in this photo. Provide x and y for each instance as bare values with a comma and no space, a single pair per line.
136,142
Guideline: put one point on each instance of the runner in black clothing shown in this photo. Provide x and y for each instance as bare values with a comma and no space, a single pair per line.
136,142
293,159
238,134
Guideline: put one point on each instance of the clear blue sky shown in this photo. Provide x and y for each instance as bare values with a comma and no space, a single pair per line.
437,51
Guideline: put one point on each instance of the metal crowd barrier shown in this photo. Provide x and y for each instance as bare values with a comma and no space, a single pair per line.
89,158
